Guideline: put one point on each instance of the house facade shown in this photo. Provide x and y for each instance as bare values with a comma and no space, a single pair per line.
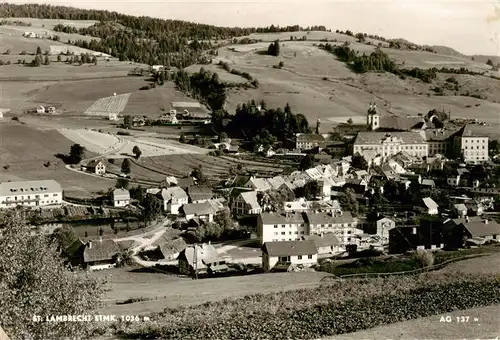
327,244
389,144
308,141
97,167
430,206
246,204
173,199
384,225
120,197
471,146
30,193
203,211
342,225
288,253
199,193
275,227
201,259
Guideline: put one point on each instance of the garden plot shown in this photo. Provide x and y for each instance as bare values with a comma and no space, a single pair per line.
107,105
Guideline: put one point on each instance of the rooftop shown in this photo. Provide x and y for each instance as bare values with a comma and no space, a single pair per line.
290,248
121,194
329,218
401,123
29,187
250,198
173,193
429,203
199,192
379,137
329,239
205,208
100,250
275,218
310,137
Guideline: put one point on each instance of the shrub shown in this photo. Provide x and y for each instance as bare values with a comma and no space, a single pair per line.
123,133
424,257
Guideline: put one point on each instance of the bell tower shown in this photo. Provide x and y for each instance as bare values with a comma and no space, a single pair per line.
318,123
373,117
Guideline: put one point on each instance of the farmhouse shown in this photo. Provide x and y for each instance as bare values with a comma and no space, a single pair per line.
246,204
120,197
97,167
30,193
113,116
100,254
173,198
461,209
51,109
288,253
477,228
203,211
40,109
202,259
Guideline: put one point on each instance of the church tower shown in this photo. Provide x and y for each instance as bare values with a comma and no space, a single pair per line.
318,123
373,117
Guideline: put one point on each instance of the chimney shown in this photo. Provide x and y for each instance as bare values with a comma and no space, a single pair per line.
89,244
485,221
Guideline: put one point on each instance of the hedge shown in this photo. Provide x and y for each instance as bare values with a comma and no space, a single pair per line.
342,307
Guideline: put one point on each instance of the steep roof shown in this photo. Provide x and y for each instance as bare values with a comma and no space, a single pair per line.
199,192
436,135
378,137
94,163
250,198
429,203
401,123
460,207
469,131
276,182
260,184
173,193
290,248
29,187
205,253
100,250
275,218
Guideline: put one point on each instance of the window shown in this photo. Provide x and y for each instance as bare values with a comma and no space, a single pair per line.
46,195
299,257
276,234
289,233
283,233
276,226
296,232
302,233
282,226
309,257
55,195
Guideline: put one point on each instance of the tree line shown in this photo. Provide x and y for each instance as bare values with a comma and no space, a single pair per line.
265,126
380,61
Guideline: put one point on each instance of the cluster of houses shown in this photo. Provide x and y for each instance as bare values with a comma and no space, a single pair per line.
186,112
42,109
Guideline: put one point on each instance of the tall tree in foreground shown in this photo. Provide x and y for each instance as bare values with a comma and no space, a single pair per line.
34,281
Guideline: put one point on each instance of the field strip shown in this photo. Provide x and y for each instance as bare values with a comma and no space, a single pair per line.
94,141
106,105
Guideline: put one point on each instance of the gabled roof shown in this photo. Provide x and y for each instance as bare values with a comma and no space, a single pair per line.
200,192
469,131
121,194
429,203
170,193
94,163
401,123
460,207
101,250
275,218
205,208
185,182
437,135
290,248
385,219
428,182
310,137
378,137
327,218
250,198
276,182
260,184
327,240
29,187
481,229
205,253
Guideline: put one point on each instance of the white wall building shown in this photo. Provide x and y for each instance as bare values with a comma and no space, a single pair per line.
388,144
289,252
121,197
274,227
30,193
173,199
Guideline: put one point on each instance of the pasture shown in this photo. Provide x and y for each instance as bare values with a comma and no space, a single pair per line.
170,291
28,153
105,106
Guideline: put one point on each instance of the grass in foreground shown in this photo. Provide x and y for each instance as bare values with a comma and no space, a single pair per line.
337,308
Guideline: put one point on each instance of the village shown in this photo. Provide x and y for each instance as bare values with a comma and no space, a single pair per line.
391,186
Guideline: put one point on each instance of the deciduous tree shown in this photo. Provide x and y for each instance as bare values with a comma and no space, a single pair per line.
126,166
35,281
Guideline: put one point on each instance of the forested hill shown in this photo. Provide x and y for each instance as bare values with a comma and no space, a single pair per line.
142,39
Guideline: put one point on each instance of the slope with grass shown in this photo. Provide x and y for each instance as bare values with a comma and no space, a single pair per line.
27,153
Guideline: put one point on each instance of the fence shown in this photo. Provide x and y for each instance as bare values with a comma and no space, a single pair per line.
441,265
